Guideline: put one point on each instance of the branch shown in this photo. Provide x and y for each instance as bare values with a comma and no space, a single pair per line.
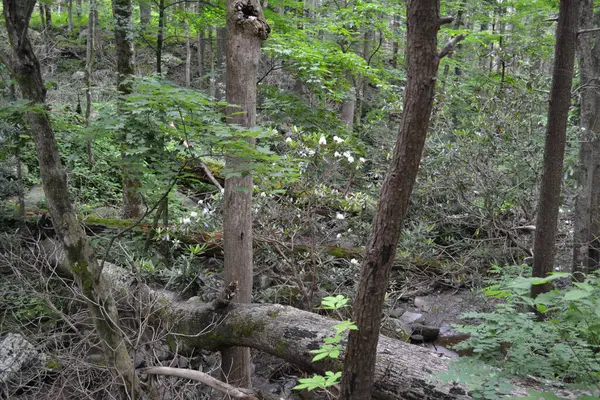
445,20
450,46
208,380
588,31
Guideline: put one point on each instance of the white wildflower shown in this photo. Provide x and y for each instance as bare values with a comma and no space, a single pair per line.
336,154
288,140
350,159
193,214
263,194
339,235
339,216
354,261
186,220
338,139
322,141
362,160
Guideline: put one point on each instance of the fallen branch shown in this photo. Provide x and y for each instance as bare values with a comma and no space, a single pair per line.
208,380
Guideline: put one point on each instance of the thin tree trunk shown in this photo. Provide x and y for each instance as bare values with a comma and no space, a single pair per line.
188,50
584,256
89,61
221,67
423,22
26,70
201,58
556,134
160,37
145,12
245,35
48,12
212,87
132,204
70,16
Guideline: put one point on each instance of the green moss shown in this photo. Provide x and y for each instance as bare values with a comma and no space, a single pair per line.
111,222
247,329
274,314
280,348
53,363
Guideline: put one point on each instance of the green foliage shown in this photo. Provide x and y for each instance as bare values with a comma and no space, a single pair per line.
330,348
561,346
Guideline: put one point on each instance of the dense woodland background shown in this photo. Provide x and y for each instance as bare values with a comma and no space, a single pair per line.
147,155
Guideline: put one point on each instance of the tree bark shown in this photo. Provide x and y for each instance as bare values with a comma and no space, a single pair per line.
132,204
89,61
70,15
145,12
160,37
247,28
221,67
188,49
556,135
25,69
423,18
585,250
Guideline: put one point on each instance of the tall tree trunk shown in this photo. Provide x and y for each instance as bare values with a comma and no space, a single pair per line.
160,37
247,28
145,12
89,61
212,83
585,253
25,69
132,204
188,49
48,11
70,15
78,10
423,23
544,246
221,67
201,58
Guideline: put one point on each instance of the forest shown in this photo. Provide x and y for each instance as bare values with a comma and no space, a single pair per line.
304,200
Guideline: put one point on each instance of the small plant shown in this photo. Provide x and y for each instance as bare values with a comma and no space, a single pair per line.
331,347
513,341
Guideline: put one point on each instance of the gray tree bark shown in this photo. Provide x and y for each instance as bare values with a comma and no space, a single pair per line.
585,230
25,69
89,62
544,246
247,28
132,204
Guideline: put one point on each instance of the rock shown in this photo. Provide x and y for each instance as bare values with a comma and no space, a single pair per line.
106,212
423,304
78,75
409,318
426,333
395,329
397,312
19,360
35,198
52,252
184,200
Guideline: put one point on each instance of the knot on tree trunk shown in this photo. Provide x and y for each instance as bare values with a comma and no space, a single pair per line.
249,17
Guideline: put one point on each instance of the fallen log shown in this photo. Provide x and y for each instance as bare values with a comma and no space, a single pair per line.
403,371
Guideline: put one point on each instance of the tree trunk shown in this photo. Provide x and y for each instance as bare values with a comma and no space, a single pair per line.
221,67
544,246
70,16
26,71
585,257
89,61
247,28
201,58
212,87
145,12
132,204
422,65
48,12
160,37
402,370
188,49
